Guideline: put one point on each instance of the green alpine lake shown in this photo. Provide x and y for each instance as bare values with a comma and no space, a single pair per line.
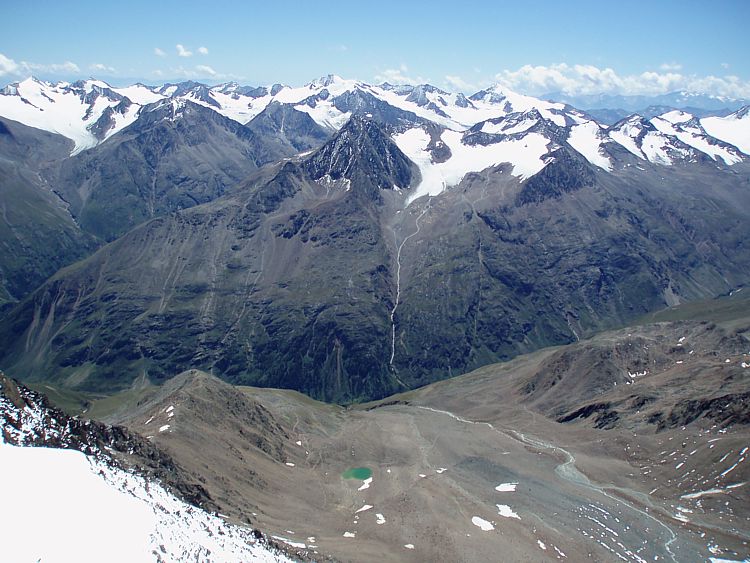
360,473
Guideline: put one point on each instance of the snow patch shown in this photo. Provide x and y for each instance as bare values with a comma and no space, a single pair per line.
526,156
296,544
586,138
506,511
482,524
365,484
731,129
506,487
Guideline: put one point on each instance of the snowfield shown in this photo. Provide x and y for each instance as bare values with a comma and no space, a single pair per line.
525,155
61,506
733,129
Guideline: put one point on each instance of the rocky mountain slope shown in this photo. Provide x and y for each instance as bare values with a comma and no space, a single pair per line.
177,154
38,235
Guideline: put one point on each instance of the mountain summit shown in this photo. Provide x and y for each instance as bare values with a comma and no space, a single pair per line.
362,154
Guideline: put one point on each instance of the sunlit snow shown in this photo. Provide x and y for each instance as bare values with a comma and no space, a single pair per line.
482,524
731,129
525,155
506,511
109,515
139,94
586,139
506,487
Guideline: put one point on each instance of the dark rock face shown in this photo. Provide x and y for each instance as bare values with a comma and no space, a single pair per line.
604,417
724,410
294,130
106,120
363,154
365,105
176,155
568,172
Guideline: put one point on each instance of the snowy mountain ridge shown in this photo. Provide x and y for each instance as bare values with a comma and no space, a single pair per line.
104,504
447,135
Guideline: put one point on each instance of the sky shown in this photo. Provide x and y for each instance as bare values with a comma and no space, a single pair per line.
531,46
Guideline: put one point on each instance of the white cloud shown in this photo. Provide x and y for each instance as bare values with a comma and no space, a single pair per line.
182,51
54,68
671,67
98,67
67,66
589,79
196,72
399,76
23,68
159,53
458,83
206,70
203,50
725,65
7,66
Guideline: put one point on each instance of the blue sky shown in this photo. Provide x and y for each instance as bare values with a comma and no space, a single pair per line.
532,46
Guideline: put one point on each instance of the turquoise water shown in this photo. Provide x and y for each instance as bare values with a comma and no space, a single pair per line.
360,473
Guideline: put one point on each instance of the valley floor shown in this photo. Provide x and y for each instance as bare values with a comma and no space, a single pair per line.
461,490
460,476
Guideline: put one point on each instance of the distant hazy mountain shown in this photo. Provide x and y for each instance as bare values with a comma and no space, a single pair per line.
677,100
609,108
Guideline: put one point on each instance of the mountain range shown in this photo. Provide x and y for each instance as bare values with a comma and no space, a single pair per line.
350,240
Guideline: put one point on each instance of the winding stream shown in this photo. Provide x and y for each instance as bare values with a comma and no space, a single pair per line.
398,281
568,471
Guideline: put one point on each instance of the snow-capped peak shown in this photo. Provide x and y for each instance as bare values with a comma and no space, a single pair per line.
86,112
169,108
90,111
91,84
648,142
325,81
226,88
676,116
